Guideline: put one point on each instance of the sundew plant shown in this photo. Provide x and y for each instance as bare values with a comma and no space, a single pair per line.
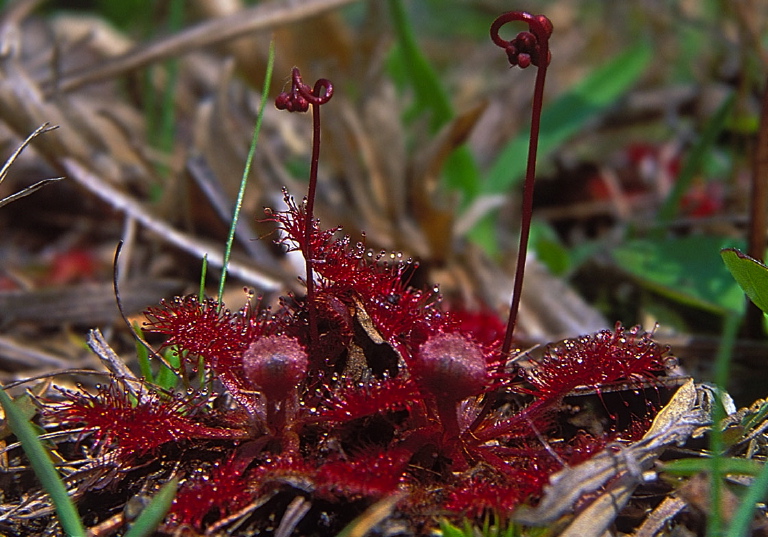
362,392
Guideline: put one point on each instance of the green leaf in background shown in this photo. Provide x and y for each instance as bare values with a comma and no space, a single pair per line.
549,250
684,269
27,410
430,98
126,13
750,274
474,17
168,379
142,355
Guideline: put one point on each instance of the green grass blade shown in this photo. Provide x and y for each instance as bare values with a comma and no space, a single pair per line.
728,465
731,324
756,492
160,104
449,530
154,513
203,275
564,117
247,170
428,92
750,422
41,463
167,120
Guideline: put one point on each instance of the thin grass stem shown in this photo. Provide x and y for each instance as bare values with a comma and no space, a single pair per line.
731,324
41,463
247,170
154,513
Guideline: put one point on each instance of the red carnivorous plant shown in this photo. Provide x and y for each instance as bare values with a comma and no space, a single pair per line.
361,389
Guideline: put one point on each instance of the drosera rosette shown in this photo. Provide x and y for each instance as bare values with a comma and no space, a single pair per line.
609,356
129,426
364,388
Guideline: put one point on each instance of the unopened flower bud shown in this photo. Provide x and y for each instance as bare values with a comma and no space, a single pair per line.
275,365
451,366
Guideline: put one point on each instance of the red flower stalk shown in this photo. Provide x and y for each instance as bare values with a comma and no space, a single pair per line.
527,48
298,100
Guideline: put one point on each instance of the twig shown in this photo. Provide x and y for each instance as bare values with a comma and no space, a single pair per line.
661,517
108,356
45,127
88,304
22,354
293,515
206,180
10,25
204,34
190,244
751,29
28,190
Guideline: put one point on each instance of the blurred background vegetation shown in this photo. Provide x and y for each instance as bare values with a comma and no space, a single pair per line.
646,165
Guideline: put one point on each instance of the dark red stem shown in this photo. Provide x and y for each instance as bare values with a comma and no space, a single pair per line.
310,209
527,211
527,48
298,100
758,215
